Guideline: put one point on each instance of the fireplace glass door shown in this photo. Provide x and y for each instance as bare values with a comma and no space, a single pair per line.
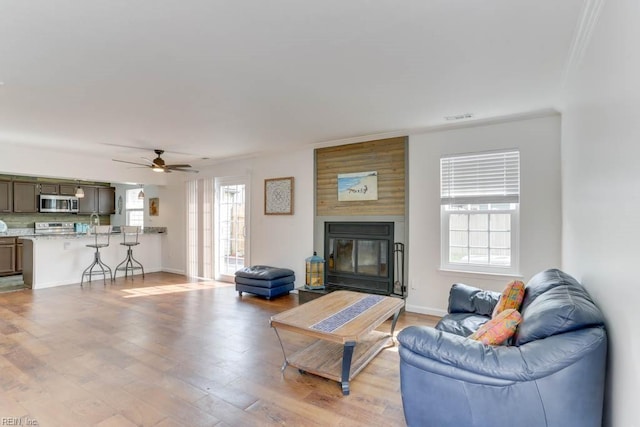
358,256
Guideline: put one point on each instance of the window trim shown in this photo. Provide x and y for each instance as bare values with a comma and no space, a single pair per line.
513,269
127,209
480,178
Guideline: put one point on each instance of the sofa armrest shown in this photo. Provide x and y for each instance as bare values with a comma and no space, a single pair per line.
469,360
468,299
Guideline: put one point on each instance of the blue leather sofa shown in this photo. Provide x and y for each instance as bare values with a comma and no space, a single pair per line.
551,373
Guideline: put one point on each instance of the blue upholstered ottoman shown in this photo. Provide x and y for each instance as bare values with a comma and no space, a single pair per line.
264,280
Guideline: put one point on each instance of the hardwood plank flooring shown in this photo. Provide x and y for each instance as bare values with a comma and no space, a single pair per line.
170,351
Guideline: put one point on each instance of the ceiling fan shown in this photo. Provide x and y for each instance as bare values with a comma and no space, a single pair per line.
158,165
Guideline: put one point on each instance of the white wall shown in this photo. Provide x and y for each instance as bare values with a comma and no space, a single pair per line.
538,140
278,240
601,216
173,216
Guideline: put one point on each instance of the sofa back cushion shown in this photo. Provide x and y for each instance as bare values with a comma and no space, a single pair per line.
555,303
468,299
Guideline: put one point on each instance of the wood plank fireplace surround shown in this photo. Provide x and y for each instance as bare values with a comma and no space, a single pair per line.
359,240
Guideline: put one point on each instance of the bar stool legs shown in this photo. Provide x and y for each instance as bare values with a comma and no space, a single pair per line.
97,262
129,239
101,236
129,263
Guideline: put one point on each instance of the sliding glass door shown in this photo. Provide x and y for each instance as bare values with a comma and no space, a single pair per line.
232,227
217,227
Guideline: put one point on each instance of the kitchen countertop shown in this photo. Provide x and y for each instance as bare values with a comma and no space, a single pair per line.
30,233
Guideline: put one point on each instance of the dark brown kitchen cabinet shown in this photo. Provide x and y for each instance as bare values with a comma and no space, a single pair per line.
101,200
19,255
67,190
6,196
7,255
49,188
25,197
106,200
61,189
89,203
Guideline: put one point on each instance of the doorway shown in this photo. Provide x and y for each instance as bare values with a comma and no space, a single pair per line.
232,227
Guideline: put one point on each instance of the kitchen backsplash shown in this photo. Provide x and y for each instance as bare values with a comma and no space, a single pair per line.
14,220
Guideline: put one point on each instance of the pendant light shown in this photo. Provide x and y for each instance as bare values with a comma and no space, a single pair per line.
79,191
141,193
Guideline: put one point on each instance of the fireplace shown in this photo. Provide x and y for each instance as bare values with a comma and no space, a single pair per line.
359,256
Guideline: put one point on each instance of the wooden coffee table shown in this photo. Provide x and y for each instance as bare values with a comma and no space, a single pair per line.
344,324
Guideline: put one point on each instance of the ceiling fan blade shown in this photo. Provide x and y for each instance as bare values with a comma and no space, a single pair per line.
131,163
177,166
183,170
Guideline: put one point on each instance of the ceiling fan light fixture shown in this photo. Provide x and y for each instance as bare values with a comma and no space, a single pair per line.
159,165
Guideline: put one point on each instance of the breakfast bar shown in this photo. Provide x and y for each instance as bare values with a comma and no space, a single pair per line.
55,260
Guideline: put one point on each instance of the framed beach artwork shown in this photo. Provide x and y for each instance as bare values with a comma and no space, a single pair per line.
357,186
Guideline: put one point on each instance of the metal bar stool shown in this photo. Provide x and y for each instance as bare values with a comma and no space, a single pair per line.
102,234
129,239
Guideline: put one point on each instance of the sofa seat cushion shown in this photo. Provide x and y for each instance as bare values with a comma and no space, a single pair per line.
499,329
463,324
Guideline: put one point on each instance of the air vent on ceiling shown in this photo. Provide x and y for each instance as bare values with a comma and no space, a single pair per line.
459,117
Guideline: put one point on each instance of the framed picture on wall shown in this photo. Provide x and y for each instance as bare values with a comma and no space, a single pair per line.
278,196
154,206
357,186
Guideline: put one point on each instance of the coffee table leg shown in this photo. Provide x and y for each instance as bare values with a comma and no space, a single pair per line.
393,323
286,362
347,354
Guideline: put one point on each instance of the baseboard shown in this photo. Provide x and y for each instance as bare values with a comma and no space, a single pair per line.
173,270
425,310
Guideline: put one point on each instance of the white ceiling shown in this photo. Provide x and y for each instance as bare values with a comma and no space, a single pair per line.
224,79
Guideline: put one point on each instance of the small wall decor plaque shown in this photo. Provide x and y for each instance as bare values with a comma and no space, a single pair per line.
357,186
278,196
154,206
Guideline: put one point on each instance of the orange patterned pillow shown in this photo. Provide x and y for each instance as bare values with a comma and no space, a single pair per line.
511,297
499,329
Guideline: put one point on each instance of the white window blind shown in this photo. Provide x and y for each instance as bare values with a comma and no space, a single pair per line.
479,178
208,201
134,207
192,227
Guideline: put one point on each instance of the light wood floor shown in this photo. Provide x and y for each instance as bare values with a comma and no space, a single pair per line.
167,351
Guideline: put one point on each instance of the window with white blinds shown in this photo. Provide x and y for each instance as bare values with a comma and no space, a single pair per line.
134,207
480,195
491,177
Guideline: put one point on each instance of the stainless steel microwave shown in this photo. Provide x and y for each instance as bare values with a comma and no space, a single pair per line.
49,203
